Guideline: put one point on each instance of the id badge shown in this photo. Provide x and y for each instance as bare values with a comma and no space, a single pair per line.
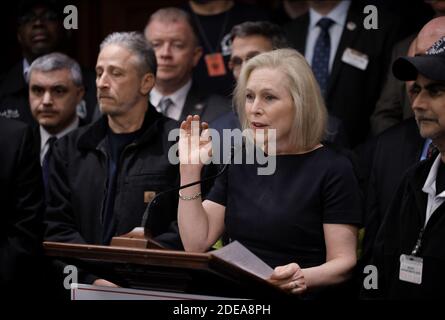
355,58
215,64
411,269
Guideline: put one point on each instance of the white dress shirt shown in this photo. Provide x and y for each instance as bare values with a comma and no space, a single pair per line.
338,15
45,136
434,201
178,98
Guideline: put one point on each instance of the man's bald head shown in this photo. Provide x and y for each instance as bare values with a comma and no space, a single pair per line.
412,48
430,33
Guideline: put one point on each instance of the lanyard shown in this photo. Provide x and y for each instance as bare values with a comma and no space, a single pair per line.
418,245
204,36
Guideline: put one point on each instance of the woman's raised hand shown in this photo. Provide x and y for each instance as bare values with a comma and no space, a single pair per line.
195,145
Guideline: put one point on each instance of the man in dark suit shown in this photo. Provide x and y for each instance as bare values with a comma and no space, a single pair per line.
393,105
21,198
55,89
171,33
40,31
348,60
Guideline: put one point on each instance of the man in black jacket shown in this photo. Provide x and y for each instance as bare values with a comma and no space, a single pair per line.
395,150
409,251
21,196
102,175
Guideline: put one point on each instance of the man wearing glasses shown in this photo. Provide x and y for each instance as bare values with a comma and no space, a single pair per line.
39,32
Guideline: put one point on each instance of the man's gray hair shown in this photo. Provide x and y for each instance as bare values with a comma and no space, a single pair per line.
265,29
172,14
57,61
136,43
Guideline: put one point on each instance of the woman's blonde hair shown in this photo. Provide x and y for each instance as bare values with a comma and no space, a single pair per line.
310,112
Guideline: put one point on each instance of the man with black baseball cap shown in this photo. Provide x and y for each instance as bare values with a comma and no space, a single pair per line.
430,65
409,250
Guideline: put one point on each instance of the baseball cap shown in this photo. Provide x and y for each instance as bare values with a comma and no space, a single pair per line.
431,64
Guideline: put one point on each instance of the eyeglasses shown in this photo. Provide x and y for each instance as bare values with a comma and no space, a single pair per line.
31,17
237,62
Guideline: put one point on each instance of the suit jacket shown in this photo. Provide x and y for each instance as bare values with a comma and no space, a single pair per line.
396,150
14,96
208,107
21,196
38,138
352,93
393,105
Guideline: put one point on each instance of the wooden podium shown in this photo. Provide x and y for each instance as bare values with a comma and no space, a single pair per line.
164,270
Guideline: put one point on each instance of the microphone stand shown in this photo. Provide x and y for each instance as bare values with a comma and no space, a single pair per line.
141,237
149,206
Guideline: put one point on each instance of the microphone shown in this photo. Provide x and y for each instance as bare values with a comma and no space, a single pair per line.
176,189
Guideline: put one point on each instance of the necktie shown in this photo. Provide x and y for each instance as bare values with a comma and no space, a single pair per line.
164,105
46,161
322,51
432,151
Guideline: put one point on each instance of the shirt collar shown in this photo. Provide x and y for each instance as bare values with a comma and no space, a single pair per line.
338,15
26,67
45,135
430,184
426,145
178,97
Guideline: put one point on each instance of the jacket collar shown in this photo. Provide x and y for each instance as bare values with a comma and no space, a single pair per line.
347,39
416,181
97,131
194,103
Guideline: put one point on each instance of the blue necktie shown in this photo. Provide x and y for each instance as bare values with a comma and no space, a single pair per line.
322,51
46,160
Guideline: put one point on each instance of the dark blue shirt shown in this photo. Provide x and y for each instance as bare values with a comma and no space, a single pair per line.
116,145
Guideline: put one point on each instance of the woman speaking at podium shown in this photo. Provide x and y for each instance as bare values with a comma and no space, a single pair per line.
303,219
